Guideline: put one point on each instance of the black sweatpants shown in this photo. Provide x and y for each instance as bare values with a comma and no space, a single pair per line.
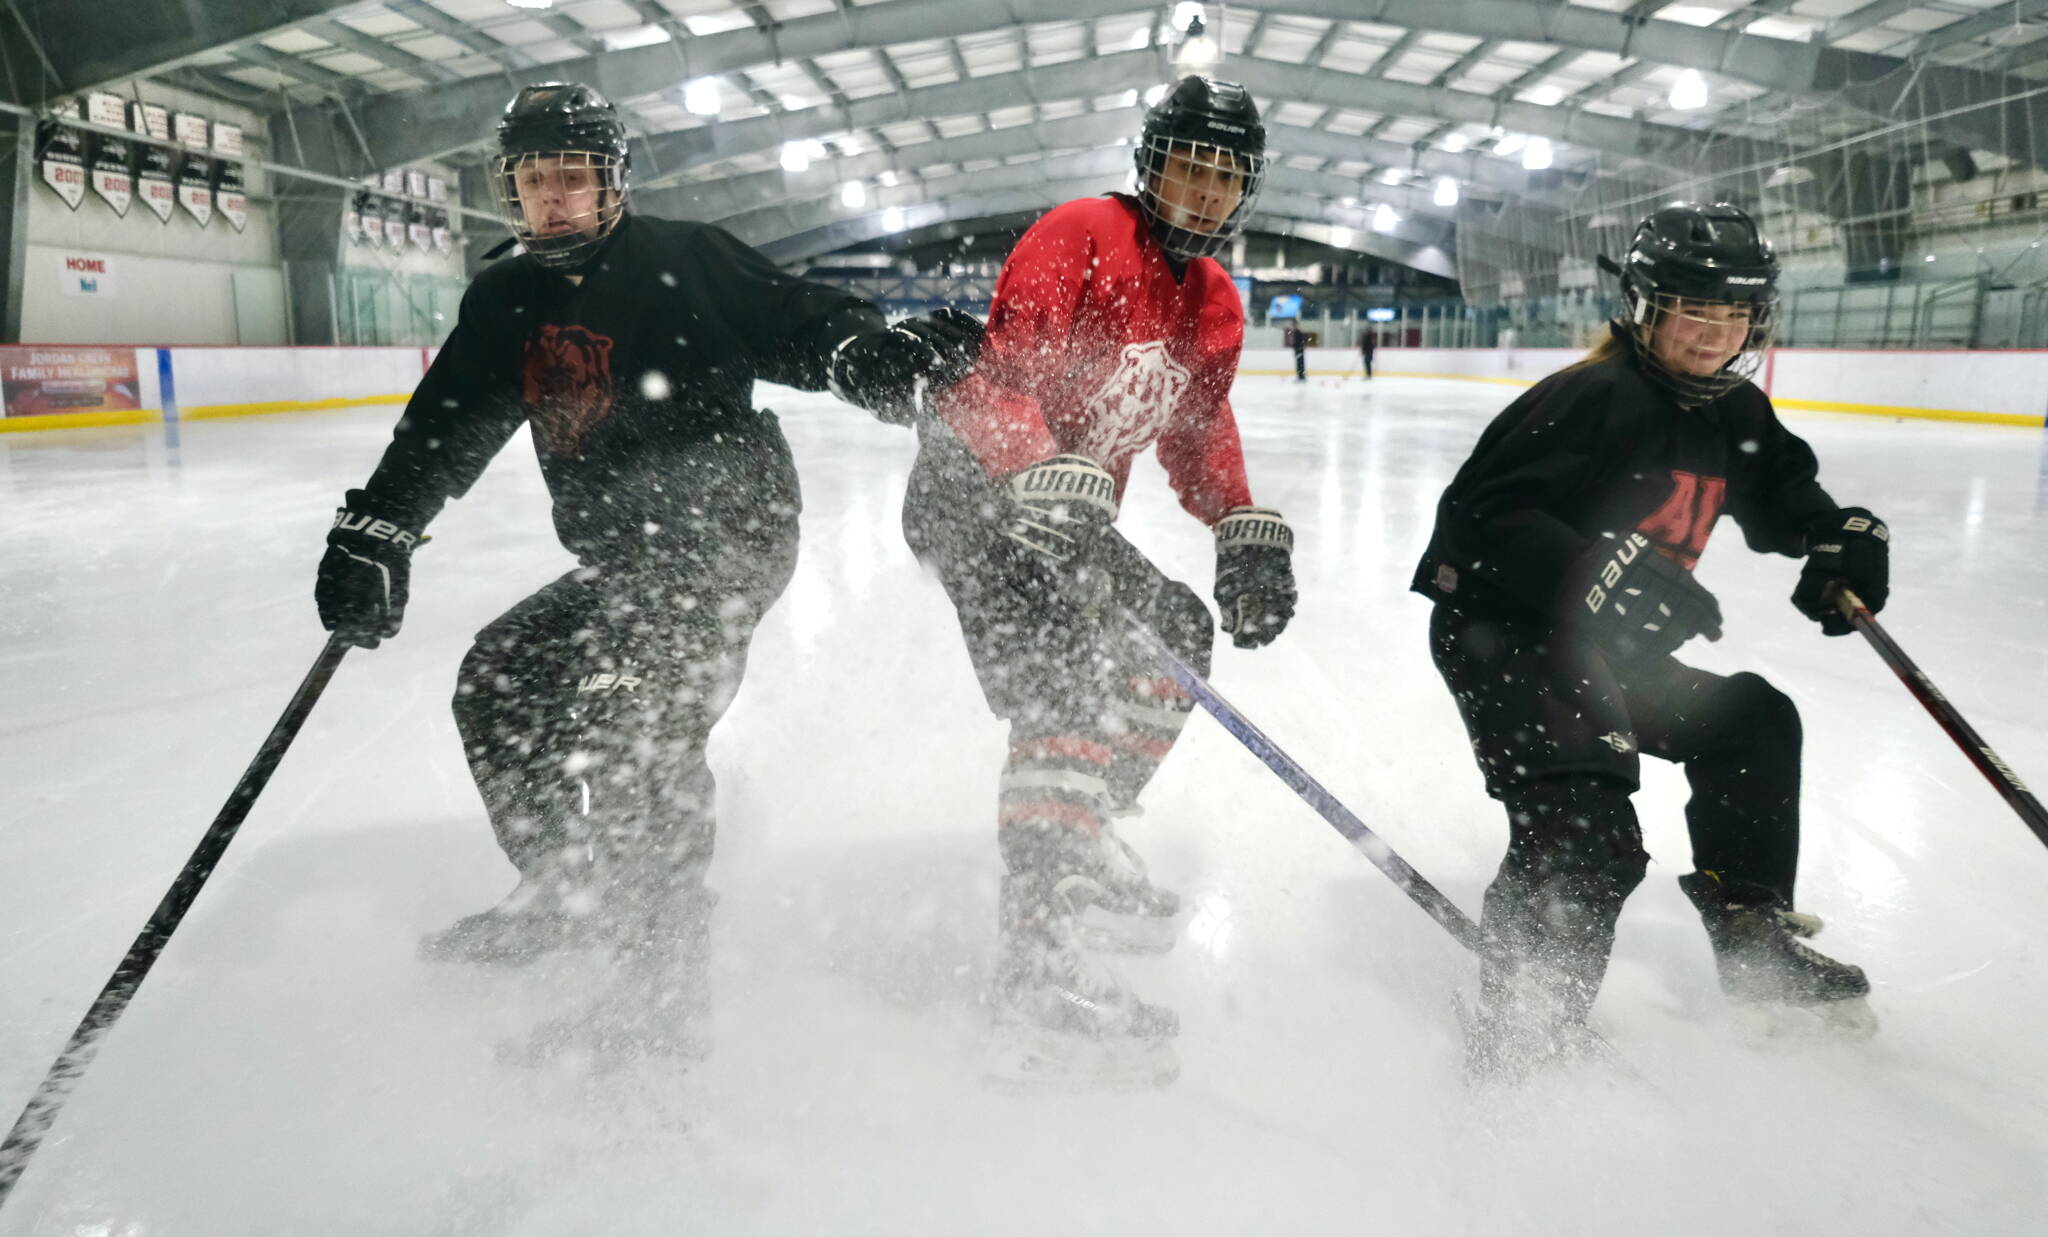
1558,730
1091,714
585,709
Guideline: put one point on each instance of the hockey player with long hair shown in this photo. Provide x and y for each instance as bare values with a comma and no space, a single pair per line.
1112,330
1561,566
631,345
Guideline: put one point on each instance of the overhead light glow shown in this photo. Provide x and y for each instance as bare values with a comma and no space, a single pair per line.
625,40
1142,39
1340,237
888,177
1154,95
700,98
1446,192
1199,52
1508,145
1689,91
1188,11
892,220
796,156
1456,142
1347,201
531,4
1383,218
1545,95
853,195
1536,155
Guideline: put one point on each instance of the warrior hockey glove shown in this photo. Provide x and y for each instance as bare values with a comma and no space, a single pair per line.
1254,575
1634,601
1850,547
364,576
1058,537
880,370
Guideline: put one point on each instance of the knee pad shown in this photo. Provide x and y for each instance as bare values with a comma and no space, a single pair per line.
1762,712
1579,831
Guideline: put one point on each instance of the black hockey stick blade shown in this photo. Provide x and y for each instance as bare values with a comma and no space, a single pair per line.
70,1066
1988,762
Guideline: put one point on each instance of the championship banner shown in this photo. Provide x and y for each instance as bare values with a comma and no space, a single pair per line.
394,182
106,109
190,129
42,381
195,188
394,224
415,184
437,221
231,195
112,157
437,189
416,229
373,226
60,159
150,120
352,219
153,182
227,139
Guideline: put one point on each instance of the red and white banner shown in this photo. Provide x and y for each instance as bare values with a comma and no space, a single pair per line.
106,109
231,196
195,189
153,182
42,381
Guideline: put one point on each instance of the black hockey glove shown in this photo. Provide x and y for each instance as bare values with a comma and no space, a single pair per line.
881,370
1254,575
1635,602
364,576
1850,547
1059,538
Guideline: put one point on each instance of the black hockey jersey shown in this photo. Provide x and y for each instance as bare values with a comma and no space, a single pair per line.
639,386
1599,450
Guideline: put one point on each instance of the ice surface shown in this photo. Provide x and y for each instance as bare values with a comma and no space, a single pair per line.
291,1068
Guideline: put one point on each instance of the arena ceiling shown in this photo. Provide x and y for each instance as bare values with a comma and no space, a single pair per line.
949,112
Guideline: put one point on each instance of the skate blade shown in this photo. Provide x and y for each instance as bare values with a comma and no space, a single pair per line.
1027,1059
1101,931
1851,1019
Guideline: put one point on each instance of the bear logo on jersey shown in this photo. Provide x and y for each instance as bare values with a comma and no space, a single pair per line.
1132,407
566,385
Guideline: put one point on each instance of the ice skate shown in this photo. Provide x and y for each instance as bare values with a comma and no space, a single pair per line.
1763,961
1120,910
552,909
1062,1019
659,1002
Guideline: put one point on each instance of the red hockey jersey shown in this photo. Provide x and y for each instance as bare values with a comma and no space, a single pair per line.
1095,349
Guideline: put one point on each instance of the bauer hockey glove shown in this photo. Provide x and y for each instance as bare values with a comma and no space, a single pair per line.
1635,601
1058,538
881,370
1254,575
364,576
1850,547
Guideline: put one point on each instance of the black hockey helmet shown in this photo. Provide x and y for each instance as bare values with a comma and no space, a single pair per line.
556,136
1210,124
1688,255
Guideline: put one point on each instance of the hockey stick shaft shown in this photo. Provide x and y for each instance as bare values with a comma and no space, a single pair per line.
1988,762
70,1066
1301,782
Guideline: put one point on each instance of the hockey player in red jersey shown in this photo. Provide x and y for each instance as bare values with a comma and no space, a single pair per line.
1112,331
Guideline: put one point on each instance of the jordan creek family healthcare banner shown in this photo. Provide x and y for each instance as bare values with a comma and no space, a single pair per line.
40,381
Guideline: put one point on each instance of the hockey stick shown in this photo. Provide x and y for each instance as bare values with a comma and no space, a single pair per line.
1301,782
1988,762
41,1113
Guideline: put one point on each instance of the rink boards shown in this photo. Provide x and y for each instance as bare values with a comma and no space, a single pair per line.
2000,388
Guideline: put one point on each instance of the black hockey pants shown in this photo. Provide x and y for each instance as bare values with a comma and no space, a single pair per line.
1091,714
1558,728
585,709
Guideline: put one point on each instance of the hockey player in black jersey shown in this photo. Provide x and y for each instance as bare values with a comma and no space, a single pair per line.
631,346
1561,568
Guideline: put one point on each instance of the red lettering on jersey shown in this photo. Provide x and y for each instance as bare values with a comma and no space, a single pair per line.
566,385
1682,525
